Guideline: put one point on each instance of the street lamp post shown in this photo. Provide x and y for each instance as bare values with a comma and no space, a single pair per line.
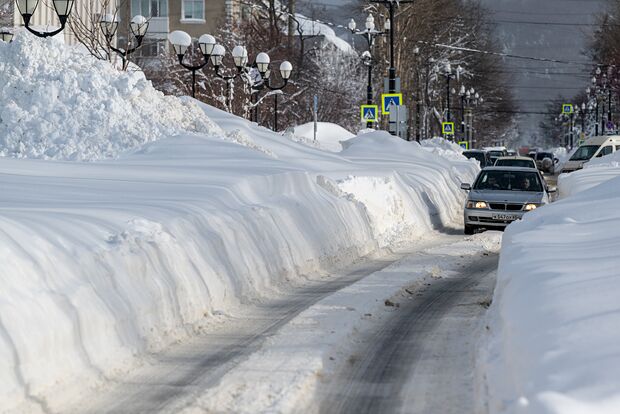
583,118
449,75
61,7
181,42
286,68
390,4
370,34
240,58
138,27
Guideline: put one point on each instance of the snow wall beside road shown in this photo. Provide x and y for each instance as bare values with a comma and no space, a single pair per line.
555,316
105,261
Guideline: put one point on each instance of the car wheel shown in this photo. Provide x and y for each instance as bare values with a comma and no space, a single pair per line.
469,229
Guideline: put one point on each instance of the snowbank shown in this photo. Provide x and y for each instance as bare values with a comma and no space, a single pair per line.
59,103
555,315
103,262
443,147
328,136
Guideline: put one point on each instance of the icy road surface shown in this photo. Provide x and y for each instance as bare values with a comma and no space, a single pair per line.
421,358
172,379
277,356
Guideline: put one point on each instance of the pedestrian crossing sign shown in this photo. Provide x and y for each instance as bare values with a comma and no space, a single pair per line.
370,113
389,99
464,144
567,109
447,128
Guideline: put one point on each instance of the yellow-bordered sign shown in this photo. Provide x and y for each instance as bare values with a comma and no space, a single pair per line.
447,128
388,99
370,113
567,109
464,144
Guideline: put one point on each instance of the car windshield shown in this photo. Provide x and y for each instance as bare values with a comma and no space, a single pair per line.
476,155
514,163
496,153
508,181
584,152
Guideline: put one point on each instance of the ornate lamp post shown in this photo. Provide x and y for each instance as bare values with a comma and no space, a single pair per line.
370,34
138,27
61,7
181,42
286,68
6,35
240,58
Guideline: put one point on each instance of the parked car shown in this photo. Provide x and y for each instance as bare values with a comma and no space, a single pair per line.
525,162
501,195
546,161
592,148
480,155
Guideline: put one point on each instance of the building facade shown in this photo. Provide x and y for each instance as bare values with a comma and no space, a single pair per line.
195,17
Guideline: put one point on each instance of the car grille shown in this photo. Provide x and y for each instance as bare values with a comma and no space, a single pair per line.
506,207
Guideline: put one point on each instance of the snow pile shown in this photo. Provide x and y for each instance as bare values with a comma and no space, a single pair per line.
443,147
103,262
328,136
58,103
555,314
593,173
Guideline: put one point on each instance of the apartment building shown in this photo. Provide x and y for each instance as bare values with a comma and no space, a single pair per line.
195,17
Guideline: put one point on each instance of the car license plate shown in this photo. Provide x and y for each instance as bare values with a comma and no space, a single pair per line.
505,217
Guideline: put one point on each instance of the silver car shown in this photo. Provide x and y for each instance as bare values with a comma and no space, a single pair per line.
501,195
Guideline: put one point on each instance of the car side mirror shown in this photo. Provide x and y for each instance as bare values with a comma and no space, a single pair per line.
465,186
556,160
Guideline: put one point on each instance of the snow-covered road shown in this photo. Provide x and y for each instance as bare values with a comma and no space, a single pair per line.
421,358
446,281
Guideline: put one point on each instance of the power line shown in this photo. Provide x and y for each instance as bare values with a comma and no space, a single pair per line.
508,55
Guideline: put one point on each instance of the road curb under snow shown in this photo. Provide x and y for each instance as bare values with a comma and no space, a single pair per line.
284,375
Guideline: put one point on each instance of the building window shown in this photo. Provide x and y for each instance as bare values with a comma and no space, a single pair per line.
150,8
152,48
193,10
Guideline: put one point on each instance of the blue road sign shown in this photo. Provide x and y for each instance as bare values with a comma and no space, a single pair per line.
370,113
389,99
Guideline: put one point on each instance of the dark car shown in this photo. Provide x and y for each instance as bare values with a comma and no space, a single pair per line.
482,157
546,161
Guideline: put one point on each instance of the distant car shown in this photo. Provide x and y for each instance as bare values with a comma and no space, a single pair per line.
546,161
495,154
480,155
511,153
525,162
501,195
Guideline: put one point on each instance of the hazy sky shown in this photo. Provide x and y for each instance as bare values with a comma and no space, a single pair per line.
555,29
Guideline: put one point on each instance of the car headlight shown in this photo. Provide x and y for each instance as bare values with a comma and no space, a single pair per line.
530,207
477,204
